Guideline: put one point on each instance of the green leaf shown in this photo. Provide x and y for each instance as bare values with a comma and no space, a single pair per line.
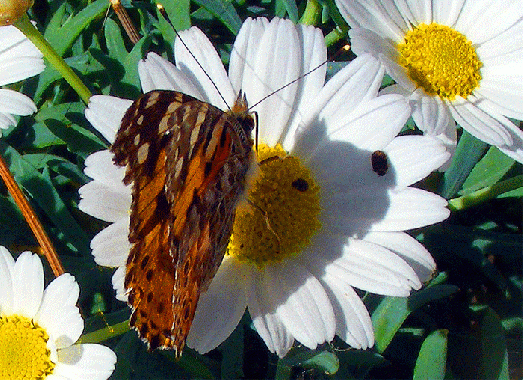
179,14
432,357
323,361
468,153
494,348
392,312
489,170
41,189
224,11
61,38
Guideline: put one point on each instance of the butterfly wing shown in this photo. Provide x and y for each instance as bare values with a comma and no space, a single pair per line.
187,161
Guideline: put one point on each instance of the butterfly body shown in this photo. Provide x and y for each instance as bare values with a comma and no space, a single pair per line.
187,162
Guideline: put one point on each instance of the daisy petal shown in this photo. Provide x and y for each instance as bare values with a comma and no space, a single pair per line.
110,247
197,46
100,167
219,309
301,303
102,202
373,268
268,325
7,264
409,249
28,284
85,362
19,58
157,73
415,157
412,208
105,113
15,103
353,323
118,284
59,314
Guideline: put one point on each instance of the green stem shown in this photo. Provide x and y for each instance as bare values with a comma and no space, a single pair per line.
482,195
105,333
334,37
311,13
26,27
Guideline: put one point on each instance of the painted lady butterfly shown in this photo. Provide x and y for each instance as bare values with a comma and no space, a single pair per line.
187,161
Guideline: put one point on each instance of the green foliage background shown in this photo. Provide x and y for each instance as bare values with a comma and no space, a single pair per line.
465,324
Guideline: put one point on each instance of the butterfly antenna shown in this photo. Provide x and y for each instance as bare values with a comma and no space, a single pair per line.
344,48
162,11
126,21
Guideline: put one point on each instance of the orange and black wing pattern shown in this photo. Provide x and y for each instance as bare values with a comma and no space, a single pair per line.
187,162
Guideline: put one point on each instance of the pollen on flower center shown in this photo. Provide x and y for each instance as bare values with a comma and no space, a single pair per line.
23,349
282,211
440,60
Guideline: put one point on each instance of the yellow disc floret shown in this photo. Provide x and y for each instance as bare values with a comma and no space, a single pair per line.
281,215
440,60
23,349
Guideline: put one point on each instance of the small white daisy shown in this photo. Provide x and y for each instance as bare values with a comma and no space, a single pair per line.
19,59
456,60
38,327
324,220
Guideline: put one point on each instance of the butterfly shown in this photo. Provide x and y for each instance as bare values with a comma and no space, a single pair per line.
187,162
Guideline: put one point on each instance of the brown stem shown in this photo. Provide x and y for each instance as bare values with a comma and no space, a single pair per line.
32,219
125,20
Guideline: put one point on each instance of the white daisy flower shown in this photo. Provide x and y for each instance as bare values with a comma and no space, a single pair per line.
38,327
19,59
455,60
324,219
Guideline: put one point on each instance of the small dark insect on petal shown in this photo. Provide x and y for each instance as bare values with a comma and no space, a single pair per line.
380,164
300,184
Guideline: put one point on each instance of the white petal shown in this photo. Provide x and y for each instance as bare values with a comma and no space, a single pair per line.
111,247
16,103
300,302
479,123
265,74
157,73
431,114
59,314
244,50
201,49
385,51
7,264
19,58
28,284
503,92
118,284
85,362
371,125
100,167
415,157
268,325
103,202
412,208
382,17
475,14
314,67
105,113
373,268
357,82
409,249
6,120
353,323
220,308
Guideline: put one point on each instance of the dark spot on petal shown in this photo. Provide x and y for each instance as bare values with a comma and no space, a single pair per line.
380,164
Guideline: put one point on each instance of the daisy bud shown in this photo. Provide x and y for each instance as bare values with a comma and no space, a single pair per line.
12,10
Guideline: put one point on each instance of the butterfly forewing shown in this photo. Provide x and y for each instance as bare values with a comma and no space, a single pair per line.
187,161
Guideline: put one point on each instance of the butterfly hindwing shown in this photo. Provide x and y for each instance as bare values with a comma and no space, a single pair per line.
187,161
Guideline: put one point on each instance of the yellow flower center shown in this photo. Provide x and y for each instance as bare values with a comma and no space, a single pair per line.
23,349
282,211
440,60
